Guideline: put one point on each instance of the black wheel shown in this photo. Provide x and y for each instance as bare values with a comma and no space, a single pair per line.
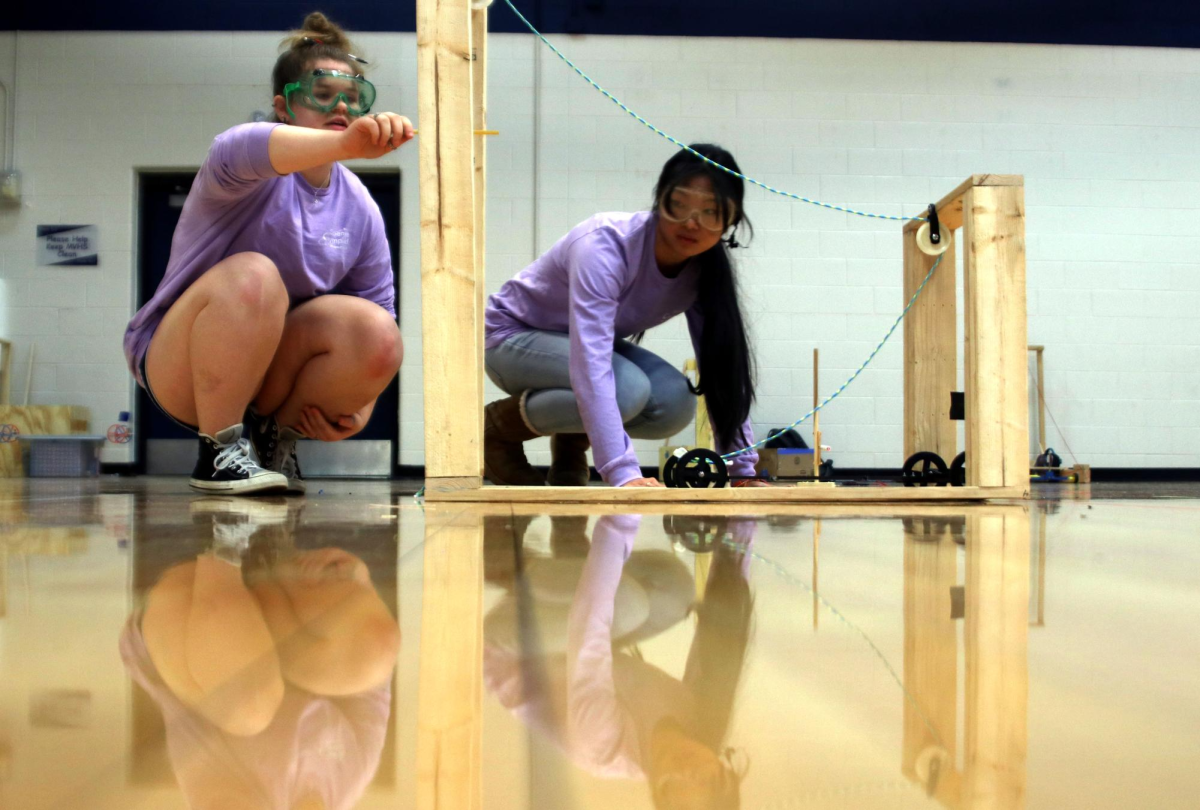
958,470
697,469
924,469
697,534
669,468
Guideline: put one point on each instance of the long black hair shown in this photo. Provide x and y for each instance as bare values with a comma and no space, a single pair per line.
726,365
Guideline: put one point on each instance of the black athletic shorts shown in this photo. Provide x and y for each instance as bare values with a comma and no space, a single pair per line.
157,404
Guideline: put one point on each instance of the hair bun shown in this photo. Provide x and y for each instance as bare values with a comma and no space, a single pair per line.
317,26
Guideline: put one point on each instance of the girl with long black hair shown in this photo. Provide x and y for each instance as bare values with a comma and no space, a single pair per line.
562,336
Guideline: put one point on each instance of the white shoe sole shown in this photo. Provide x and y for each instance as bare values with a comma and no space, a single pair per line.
297,486
269,482
266,511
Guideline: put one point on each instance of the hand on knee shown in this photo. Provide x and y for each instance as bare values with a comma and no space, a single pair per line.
315,424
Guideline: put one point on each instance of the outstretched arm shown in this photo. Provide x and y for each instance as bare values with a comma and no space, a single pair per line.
296,148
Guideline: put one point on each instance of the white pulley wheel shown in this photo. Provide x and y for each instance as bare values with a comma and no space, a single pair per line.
932,760
926,245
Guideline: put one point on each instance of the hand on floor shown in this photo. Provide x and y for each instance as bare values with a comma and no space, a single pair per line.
643,482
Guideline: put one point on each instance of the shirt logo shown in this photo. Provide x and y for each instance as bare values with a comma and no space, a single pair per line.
338,240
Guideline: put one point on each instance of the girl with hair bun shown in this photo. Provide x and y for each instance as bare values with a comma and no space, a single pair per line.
276,318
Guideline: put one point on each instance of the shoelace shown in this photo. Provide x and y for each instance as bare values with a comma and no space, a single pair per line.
234,536
236,455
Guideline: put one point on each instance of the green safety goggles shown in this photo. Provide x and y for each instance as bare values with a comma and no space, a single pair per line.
322,90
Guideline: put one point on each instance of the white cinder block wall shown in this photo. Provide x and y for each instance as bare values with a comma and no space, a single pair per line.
1107,138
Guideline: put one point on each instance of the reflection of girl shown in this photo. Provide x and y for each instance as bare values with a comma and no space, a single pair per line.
275,693
617,716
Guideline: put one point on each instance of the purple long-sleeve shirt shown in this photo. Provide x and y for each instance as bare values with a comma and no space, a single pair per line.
599,283
323,240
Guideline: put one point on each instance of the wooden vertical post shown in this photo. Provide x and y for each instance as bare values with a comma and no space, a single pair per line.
996,638
995,343
1041,396
479,22
450,276
816,420
704,434
6,352
930,352
450,685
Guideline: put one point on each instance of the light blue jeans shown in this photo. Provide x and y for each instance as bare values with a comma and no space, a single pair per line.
652,395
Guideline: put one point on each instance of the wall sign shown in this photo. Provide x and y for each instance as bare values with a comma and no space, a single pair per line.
67,245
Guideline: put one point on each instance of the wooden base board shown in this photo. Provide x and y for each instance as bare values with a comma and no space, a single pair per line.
36,420
780,494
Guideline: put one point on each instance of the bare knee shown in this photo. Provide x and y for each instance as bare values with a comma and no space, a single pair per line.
380,344
251,283
246,706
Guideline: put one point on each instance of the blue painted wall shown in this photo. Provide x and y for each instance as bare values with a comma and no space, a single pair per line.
1150,22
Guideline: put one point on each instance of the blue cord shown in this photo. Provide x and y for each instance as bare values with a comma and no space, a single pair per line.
687,148
771,189
870,357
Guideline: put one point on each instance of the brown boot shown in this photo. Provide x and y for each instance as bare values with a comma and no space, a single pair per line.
568,460
504,431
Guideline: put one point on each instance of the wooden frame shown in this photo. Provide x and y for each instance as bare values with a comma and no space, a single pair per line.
1041,401
989,209
988,212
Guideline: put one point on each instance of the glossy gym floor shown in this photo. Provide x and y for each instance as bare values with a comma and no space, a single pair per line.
355,648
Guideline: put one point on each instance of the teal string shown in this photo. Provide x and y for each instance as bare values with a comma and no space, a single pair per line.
853,376
769,188
692,151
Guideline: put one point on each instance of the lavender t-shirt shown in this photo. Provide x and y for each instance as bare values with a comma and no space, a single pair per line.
323,240
599,283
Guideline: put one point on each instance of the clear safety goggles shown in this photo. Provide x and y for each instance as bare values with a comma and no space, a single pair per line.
322,90
682,204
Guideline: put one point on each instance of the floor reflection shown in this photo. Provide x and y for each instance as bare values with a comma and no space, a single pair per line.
563,648
357,649
560,652
271,663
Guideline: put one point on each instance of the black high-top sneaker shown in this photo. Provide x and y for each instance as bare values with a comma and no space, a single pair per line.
276,448
226,464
